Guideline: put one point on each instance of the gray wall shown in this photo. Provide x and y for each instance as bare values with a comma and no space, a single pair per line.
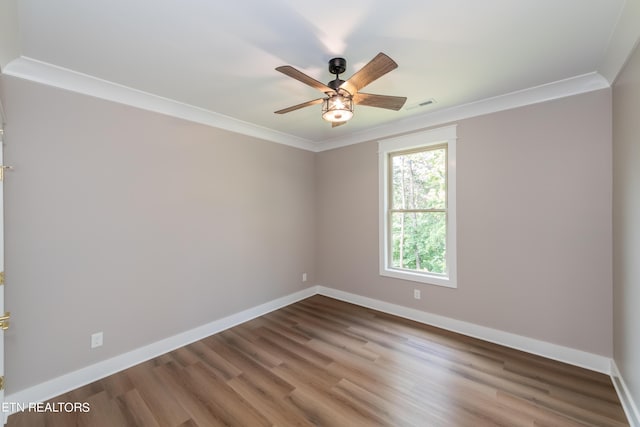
144,226
139,225
534,224
626,223
9,37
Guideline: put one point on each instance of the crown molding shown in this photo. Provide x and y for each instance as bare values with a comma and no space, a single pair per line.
63,78
623,41
546,92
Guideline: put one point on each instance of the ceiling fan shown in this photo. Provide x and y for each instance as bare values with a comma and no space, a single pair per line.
337,107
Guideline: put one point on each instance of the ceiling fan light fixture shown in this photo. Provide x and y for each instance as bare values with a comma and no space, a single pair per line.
337,108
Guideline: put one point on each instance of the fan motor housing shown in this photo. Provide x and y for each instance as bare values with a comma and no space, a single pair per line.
335,84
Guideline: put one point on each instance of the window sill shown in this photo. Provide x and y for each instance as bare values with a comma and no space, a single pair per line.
429,279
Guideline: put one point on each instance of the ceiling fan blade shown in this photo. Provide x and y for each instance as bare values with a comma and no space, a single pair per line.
299,106
376,68
336,124
381,101
302,77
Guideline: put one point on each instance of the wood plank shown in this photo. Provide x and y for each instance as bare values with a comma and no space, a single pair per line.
135,409
277,410
156,395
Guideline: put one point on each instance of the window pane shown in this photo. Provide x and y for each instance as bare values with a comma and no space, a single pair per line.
418,241
419,180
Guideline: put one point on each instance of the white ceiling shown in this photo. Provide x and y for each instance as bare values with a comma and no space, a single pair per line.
219,56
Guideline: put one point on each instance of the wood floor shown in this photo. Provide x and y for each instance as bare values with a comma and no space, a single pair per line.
321,362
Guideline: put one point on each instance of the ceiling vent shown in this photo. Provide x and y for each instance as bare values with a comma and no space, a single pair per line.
421,104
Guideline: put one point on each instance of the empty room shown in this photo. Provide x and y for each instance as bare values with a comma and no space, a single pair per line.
285,213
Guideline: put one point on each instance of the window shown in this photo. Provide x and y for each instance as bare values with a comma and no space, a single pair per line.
417,207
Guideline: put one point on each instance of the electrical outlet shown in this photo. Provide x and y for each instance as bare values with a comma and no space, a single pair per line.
416,293
96,339
304,277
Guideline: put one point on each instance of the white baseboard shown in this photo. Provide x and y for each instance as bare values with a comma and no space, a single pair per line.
628,404
568,355
81,377
62,384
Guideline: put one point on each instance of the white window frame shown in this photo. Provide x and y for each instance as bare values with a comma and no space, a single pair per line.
444,135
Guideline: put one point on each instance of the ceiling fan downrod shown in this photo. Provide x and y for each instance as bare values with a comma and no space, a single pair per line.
337,66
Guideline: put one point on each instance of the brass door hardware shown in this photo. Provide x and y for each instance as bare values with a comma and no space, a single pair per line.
4,321
2,169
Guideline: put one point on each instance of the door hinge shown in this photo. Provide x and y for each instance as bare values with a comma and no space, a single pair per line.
2,169
2,382
1,278
4,321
